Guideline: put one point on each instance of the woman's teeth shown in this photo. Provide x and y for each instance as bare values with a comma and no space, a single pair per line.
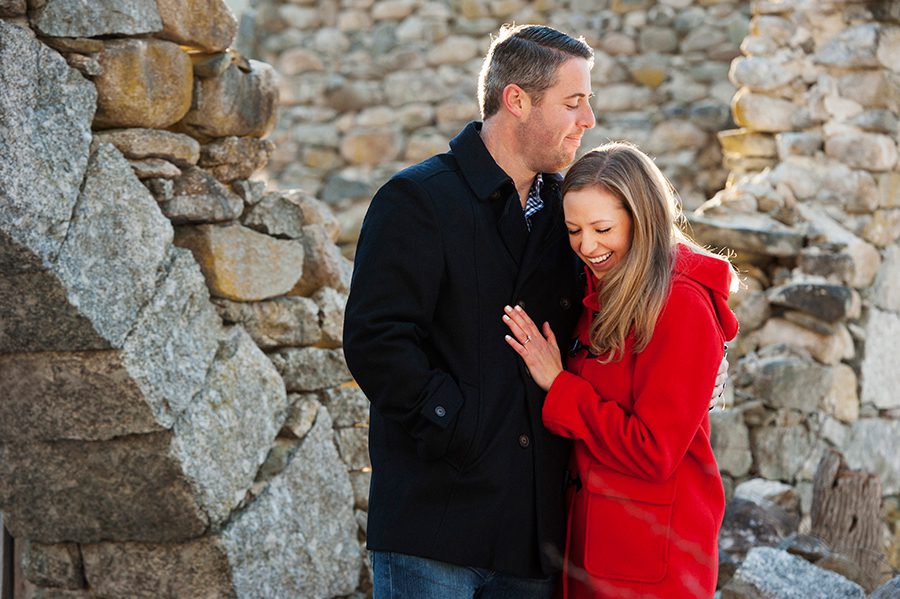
600,259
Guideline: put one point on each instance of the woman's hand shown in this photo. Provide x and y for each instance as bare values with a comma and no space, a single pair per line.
539,351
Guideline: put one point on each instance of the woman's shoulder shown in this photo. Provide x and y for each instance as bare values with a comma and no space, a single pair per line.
687,294
700,268
701,285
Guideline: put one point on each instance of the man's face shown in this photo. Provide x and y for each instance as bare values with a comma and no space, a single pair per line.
550,133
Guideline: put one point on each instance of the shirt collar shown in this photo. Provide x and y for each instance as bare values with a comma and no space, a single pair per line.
534,202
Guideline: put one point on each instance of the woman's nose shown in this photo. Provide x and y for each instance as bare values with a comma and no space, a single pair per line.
587,245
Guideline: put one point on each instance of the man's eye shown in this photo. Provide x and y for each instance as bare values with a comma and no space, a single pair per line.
570,107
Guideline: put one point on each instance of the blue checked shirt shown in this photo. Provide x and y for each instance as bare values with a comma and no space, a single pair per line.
534,203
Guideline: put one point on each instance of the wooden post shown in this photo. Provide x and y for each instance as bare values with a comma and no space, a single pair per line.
6,562
846,514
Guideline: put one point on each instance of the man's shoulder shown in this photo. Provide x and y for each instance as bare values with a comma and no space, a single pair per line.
439,165
432,179
427,183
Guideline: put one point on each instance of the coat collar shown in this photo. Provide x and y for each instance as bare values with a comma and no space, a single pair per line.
482,172
591,299
493,187
478,167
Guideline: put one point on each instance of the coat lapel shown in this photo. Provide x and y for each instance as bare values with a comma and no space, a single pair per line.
512,228
545,231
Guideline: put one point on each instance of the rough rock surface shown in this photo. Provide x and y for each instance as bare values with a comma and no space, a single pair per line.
873,446
74,18
45,133
58,566
145,571
881,377
197,197
315,552
173,343
129,488
144,83
239,102
277,215
142,143
286,321
115,246
224,435
241,264
311,368
774,573
207,25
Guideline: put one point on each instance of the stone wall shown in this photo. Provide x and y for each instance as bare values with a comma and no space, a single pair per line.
809,155
173,417
813,216
177,418
369,87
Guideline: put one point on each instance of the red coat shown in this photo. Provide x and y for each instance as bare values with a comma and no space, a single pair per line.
645,521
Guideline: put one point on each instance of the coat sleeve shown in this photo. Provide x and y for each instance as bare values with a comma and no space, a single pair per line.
396,283
673,380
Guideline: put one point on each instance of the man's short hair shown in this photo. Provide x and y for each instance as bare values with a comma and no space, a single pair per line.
529,56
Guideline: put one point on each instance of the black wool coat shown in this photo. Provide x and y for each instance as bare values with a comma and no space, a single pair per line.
463,470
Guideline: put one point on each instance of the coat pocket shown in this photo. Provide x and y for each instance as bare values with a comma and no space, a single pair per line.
459,452
628,528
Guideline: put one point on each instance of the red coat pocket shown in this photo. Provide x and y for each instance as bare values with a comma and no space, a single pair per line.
627,533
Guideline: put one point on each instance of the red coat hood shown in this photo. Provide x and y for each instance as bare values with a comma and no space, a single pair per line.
712,274
715,275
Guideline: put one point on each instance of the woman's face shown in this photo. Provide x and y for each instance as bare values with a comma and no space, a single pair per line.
599,228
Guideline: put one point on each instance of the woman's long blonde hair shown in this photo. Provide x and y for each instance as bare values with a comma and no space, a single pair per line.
633,291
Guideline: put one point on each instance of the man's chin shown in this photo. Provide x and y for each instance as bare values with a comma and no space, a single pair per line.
557,162
563,162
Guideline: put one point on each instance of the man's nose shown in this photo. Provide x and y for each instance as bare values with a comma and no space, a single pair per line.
587,118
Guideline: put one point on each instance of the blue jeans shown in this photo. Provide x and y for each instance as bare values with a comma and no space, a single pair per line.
400,576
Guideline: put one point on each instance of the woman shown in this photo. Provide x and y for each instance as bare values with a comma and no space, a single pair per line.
634,399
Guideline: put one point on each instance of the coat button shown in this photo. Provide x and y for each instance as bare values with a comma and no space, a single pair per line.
524,441
440,411
564,303
521,304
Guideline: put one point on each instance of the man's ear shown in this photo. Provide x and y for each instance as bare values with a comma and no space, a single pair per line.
515,100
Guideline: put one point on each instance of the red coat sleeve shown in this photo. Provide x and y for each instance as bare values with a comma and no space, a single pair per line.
672,383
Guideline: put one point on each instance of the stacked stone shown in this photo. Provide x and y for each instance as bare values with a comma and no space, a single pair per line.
368,88
813,213
173,420
762,552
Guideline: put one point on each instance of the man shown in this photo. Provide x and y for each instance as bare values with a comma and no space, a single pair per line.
467,493
463,471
